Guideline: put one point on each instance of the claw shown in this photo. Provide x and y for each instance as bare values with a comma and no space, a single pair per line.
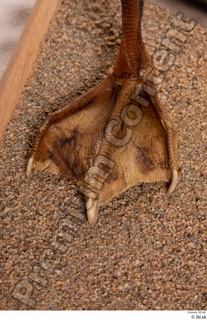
174,182
92,210
29,167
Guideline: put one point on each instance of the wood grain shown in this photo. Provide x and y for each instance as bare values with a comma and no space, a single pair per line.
22,60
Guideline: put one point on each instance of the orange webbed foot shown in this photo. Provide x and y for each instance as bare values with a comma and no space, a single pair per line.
115,135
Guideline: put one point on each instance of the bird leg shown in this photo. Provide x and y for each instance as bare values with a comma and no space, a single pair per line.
115,135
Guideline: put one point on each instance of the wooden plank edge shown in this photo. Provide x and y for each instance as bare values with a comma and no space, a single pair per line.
23,58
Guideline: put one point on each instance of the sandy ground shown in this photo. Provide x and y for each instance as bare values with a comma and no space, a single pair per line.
147,251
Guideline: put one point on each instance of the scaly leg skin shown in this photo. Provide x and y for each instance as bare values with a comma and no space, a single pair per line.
115,135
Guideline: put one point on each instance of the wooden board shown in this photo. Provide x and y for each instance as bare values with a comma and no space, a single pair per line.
22,60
